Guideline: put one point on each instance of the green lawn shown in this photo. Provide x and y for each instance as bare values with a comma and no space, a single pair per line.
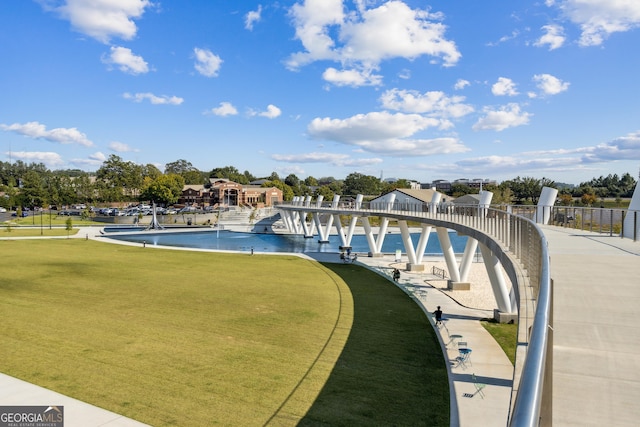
193,338
506,335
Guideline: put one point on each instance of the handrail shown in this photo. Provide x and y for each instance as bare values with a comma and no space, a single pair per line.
513,233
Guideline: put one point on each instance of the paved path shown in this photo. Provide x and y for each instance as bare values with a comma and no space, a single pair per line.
15,392
596,332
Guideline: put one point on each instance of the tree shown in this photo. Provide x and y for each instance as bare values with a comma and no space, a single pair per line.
274,177
528,189
565,199
588,199
324,191
311,181
150,171
459,190
83,188
627,185
502,194
33,191
357,183
390,186
287,192
230,173
165,189
292,180
118,180
186,170
178,167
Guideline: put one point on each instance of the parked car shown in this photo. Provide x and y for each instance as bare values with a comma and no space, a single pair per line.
2,209
188,209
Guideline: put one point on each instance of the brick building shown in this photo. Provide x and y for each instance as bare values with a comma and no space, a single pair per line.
226,193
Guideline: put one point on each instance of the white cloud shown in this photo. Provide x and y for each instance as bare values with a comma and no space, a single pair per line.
622,148
560,160
383,132
514,34
252,17
313,20
93,160
314,157
271,113
351,77
126,61
332,158
434,103
504,87
225,109
102,19
404,74
550,85
120,147
461,84
290,169
50,159
207,63
361,162
600,18
362,39
553,37
36,130
506,117
521,163
154,99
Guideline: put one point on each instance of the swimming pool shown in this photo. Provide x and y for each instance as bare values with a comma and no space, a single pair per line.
237,241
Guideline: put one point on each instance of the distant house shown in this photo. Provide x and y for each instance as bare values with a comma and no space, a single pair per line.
192,195
441,185
467,199
406,198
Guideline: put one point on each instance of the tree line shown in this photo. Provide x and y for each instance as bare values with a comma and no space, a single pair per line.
117,181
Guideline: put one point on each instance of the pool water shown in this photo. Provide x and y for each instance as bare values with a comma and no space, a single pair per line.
237,241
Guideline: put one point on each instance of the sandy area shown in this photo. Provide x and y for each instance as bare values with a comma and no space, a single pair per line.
479,297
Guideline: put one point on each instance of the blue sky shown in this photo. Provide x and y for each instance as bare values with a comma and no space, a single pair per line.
420,90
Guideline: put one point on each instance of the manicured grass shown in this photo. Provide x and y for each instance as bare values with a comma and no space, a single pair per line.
391,371
8,232
506,335
195,338
47,220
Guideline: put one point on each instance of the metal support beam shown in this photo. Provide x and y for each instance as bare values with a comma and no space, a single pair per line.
498,284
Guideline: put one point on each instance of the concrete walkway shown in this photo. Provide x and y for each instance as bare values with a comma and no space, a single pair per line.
15,392
596,332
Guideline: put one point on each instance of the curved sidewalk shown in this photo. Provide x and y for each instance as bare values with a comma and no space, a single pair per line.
596,331
15,392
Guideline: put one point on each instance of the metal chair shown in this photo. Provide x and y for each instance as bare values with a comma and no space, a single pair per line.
464,358
478,385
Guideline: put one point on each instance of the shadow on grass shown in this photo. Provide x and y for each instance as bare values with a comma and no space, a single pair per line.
391,370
